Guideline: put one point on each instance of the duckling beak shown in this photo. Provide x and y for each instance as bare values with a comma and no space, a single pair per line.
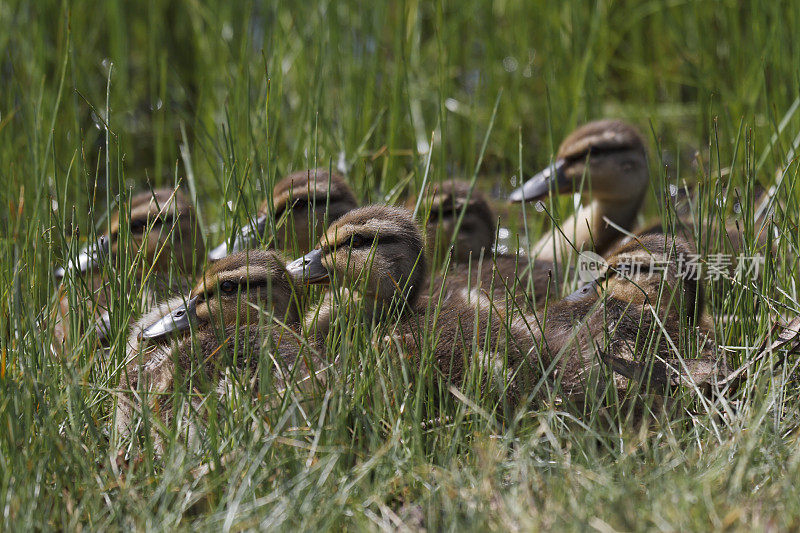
308,269
178,320
247,237
92,255
588,290
536,188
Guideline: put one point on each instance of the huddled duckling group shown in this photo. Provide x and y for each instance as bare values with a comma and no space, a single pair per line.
488,320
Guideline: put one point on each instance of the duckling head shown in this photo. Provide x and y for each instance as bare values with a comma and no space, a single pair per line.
234,291
610,154
300,206
163,230
376,250
478,225
653,270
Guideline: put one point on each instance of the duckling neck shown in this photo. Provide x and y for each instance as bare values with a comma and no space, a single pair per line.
588,229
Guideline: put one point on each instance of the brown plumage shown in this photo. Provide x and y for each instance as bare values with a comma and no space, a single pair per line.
455,200
377,253
514,280
296,214
643,305
606,161
241,311
471,341
375,250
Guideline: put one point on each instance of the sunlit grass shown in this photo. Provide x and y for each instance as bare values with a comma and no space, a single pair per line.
97,99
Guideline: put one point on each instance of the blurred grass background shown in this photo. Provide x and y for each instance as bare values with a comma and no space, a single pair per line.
226,97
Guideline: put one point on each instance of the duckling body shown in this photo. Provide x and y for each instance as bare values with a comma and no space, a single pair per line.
301,205
163,233
241,312
606,161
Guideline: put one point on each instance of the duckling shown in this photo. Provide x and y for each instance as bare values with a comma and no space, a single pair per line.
377,252
511,277
308,199
241,310
642,304
163,231
611,155
476,232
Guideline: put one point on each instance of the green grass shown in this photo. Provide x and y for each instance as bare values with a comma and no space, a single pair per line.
226,98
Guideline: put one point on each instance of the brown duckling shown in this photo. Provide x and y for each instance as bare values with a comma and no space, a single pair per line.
643,304
455,201
301,205
526,283
163,231
611,156
236,320
377,252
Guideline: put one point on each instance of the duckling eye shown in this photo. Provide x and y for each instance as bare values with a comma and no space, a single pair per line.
300,203
228,287
137,226
166,220
357,241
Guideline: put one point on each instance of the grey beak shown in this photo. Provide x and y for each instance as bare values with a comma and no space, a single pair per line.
539,186
178,320
246,237
308,269
585,291
92,255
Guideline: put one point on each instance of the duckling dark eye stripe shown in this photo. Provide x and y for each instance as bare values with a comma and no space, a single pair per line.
139,225
167,220
318,199
388,239
449,210
596,149
368,240
256,283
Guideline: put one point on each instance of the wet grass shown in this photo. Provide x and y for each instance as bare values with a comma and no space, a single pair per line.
224,99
